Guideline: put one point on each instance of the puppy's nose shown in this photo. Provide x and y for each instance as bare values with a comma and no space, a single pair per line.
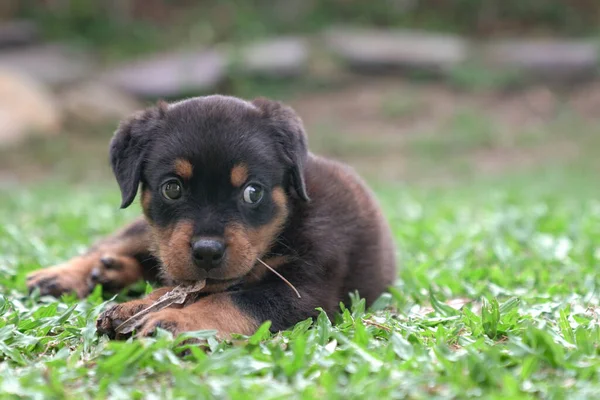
208,253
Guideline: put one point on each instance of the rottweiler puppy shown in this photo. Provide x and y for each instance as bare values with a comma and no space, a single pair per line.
227,184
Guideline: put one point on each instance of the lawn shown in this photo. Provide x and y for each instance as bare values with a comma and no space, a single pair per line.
496,298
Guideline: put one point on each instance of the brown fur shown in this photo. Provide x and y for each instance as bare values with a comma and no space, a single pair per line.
262,238
184,168
239,175
122,271
345,199
173,245
213,312
242,254
72,275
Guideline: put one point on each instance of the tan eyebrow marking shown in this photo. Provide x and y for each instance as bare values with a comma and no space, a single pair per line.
239,175
183,168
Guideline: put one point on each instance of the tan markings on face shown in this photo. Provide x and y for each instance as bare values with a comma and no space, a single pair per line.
239,175
146,199
183,168
262,238
246,244
241,254
173,250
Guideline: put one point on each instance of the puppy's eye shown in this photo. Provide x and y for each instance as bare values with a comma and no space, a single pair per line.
253,193
171,189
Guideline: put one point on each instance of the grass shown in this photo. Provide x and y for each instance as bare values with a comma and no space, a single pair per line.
496,298
398,105
465,132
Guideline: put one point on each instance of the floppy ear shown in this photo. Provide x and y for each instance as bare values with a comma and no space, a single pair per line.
129,147
291,137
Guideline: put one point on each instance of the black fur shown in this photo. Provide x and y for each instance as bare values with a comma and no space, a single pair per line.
129,147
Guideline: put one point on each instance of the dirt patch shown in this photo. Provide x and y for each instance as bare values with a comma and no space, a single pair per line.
424,131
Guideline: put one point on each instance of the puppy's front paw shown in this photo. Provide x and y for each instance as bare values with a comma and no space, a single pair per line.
110,319
72,276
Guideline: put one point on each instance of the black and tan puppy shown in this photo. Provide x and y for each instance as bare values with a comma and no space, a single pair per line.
225,183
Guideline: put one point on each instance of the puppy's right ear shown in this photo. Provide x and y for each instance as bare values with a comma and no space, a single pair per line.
288,133
129,147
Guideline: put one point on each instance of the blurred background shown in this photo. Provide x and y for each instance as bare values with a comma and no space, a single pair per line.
426,91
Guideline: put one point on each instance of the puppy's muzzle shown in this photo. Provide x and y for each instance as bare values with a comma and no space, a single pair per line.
208,253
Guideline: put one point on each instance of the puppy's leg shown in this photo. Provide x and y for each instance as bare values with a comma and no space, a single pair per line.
115,262
235,312
116,315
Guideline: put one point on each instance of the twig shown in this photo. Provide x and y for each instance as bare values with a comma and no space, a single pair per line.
280,277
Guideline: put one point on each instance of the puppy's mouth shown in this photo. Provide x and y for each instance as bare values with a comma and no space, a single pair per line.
179,268
224,274
218,277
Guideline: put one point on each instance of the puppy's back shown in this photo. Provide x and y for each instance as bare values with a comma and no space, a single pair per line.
349,224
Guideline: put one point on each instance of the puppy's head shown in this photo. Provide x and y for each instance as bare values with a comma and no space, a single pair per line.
217,175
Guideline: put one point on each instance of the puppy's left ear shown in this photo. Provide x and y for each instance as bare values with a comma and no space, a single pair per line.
291,138
129,147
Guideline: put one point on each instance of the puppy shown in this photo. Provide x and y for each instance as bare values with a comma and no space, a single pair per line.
226,184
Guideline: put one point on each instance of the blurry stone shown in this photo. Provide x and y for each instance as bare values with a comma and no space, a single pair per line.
17,33
396,50
26,108
169,75
96,102
281,57
53,64
544,59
